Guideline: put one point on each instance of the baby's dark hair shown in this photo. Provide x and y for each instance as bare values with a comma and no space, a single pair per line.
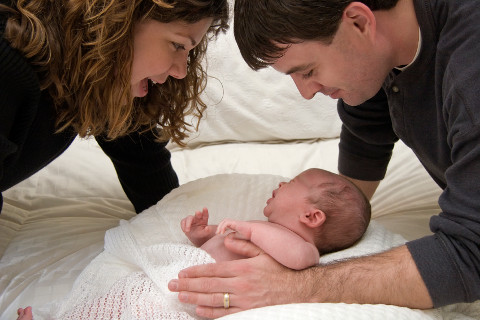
347,212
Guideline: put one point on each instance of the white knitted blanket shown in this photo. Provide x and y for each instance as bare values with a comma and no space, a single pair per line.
128,280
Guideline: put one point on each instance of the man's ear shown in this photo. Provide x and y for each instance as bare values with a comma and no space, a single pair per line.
313,218
359,16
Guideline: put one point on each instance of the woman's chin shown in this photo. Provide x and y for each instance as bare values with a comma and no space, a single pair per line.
140,89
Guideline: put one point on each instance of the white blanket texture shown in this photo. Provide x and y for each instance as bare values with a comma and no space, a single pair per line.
128,280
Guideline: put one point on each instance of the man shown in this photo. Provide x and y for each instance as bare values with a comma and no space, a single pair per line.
403,69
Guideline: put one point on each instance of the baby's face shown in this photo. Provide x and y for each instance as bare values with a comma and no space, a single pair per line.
289,200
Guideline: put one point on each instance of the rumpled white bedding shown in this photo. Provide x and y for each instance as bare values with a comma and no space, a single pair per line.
53,224
128,280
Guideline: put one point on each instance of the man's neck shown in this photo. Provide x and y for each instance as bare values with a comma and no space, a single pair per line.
400,27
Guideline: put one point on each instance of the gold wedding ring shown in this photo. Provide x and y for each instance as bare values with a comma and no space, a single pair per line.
226,300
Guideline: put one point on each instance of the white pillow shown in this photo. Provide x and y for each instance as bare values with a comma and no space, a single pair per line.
244,105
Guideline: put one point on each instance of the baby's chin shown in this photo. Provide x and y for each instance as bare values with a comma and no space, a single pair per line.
266,212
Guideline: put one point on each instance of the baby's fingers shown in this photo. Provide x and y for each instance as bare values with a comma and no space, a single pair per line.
224,225
187,223
202,215
221,228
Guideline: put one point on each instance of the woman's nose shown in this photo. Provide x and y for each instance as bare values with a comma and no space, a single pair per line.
178,70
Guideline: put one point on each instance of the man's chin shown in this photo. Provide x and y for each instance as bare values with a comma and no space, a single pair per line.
353,101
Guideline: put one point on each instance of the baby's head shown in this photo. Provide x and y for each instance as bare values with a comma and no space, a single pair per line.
323,204
346,208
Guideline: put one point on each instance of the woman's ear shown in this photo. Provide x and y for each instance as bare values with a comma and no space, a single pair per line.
313,218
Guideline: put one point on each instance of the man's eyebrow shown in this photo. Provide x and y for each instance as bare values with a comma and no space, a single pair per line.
299,68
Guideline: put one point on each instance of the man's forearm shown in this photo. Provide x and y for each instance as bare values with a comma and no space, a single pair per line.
368,187
386,278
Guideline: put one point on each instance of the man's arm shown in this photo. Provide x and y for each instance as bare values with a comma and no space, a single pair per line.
367,187
388,278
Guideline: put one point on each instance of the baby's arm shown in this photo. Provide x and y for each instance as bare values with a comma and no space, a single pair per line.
282,244
196,227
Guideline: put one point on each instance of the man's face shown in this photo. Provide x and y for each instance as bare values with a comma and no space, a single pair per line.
349,68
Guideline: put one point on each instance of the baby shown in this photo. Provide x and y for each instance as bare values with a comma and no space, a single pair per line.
315,213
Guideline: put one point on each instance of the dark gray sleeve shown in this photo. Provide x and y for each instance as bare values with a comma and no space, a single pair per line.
366,139
449,261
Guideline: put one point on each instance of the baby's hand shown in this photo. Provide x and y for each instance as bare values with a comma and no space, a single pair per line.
196,227
241,228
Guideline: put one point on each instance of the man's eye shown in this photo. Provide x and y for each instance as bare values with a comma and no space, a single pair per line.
178,46
308,75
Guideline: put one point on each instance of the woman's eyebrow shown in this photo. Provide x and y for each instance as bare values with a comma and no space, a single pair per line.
192,41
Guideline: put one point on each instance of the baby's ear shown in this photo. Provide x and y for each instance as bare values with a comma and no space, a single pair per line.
313,218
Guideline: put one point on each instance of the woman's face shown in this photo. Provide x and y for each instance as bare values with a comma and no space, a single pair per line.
161,50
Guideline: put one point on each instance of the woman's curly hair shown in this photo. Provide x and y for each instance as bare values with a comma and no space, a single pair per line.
82,51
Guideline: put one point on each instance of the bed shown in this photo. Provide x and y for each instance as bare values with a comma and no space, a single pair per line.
256,132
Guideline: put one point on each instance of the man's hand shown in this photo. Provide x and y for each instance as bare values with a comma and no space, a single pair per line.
196,227
251,283
390,277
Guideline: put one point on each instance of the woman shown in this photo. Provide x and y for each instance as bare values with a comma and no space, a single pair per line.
125,72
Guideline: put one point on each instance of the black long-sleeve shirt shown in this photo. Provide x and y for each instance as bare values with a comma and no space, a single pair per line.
28,141
434,107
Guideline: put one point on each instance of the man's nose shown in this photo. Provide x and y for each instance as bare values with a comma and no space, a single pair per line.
307,88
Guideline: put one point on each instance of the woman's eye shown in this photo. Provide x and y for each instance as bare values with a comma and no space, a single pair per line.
178,46
308,75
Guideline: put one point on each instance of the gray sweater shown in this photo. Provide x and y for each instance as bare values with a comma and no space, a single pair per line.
434,107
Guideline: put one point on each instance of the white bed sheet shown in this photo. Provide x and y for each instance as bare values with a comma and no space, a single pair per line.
147,251
53,224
